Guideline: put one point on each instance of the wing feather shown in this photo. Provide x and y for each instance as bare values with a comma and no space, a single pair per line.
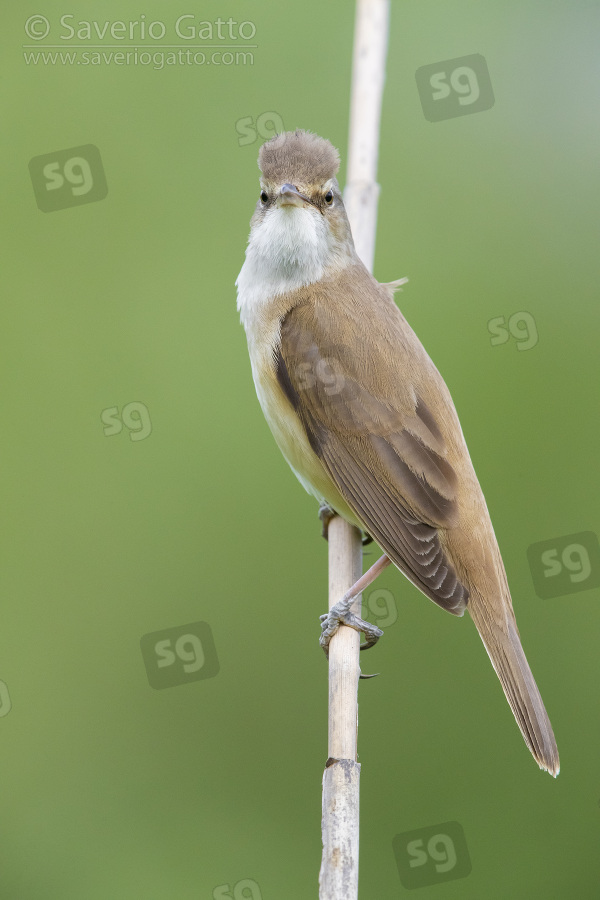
386,459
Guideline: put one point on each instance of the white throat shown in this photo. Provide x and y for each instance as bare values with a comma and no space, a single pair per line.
290,248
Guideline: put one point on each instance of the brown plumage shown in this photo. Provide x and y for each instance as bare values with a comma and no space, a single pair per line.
365,419
298,156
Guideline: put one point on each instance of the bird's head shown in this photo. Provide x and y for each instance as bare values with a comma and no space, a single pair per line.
300,224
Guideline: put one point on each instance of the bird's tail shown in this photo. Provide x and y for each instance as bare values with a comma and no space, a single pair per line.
509,661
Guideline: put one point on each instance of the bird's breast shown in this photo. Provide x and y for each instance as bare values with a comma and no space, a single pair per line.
284,422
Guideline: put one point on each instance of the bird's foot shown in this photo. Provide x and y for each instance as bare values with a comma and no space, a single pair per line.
340,614
326,514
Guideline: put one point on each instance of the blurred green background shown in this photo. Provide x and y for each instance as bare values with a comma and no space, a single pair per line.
212,788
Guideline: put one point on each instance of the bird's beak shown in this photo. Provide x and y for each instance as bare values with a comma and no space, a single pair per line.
291,196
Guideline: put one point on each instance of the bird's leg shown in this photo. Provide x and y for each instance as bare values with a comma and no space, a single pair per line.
326,514
340,614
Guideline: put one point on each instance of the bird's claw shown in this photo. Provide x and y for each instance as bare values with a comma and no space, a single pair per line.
340,614
326,514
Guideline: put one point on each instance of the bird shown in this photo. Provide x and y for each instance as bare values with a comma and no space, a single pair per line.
364,418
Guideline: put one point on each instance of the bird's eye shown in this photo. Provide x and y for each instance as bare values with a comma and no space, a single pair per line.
329,197
263,196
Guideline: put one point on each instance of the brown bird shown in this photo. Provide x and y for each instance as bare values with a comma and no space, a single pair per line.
363,416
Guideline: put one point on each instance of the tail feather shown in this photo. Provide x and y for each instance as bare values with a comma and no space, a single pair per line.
509,661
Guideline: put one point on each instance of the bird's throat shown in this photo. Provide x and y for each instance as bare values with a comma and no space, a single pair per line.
289,249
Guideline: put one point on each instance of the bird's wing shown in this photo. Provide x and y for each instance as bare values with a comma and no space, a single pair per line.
384,450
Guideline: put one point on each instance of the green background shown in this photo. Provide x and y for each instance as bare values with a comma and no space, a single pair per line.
111,789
